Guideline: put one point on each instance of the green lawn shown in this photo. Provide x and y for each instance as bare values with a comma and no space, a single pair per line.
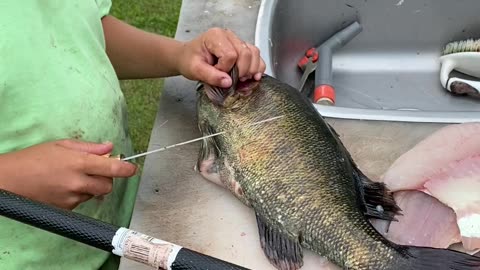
158,16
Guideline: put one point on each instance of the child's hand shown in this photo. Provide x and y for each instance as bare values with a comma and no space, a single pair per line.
62,173
225,49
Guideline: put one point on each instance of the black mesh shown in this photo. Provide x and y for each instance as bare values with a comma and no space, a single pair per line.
66,223
191,260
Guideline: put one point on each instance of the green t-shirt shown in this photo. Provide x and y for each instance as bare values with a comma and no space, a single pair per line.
56,82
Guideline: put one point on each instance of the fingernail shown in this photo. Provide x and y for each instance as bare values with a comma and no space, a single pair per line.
242,79
106,142
258,76
225,82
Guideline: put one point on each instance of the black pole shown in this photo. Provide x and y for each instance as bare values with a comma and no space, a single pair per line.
104,236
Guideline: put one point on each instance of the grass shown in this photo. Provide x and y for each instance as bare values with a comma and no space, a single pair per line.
158,16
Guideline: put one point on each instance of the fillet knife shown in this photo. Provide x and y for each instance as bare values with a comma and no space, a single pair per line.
194,140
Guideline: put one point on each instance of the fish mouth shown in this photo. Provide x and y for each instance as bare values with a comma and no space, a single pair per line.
226,97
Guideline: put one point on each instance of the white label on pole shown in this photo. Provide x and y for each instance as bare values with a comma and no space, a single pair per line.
144,249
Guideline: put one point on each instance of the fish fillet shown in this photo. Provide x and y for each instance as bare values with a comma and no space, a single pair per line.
450,143
445,165
424,222
458,186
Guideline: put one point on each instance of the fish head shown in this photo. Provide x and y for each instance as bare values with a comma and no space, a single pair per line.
232,96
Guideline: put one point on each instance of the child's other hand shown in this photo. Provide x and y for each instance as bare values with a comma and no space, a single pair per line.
222,48
62,173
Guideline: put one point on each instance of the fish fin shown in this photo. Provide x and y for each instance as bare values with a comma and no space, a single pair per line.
218,95
283,252
377,201
439,259
209,146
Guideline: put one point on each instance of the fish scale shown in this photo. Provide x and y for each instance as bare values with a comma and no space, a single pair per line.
303,185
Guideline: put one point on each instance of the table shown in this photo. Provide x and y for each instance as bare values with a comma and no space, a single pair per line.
176,204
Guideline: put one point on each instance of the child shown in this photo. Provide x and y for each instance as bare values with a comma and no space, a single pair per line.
61,109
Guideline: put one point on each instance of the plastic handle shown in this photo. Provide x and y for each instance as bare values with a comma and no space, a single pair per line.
447,66
463,86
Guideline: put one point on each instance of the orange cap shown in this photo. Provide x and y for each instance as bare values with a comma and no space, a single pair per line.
324,92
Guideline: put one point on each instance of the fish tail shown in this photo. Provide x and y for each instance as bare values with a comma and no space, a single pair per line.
425,258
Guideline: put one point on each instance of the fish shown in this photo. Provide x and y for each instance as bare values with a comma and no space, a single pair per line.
446,166
304,187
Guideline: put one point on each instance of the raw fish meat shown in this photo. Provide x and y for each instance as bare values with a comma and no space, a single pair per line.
450,143
458,186
436,226
445,165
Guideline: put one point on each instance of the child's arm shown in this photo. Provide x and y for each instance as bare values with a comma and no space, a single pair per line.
138,54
